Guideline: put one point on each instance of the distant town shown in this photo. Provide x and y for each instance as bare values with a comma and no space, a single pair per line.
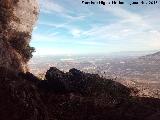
130,70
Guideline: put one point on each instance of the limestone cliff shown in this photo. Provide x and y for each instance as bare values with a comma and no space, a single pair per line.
19,99
17,18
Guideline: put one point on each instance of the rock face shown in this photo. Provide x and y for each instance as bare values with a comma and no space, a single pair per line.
19,98
85,84
17,18
27,12
85,96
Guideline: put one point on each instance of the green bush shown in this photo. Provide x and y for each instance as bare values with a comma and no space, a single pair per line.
20,42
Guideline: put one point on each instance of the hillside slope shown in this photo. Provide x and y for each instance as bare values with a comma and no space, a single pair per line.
154,56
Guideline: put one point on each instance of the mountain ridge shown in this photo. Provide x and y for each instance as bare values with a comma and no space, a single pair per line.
154,56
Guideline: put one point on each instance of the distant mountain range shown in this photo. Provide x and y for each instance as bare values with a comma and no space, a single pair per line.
133,53
154,56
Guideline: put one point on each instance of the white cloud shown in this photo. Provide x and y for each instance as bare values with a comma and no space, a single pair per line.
73,30
133,29
50,6
126,16
81,17
154,39
54,25
76,33
91,43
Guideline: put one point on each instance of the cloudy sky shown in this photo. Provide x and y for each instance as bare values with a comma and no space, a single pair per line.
70,27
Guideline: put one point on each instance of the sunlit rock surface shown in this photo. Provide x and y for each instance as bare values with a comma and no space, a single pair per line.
17,18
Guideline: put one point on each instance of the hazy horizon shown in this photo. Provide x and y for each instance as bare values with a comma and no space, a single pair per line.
110,55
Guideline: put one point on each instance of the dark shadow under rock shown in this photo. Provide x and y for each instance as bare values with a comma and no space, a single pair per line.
19,99
88,97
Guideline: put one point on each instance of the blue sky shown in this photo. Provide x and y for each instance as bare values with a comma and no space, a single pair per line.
70,27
